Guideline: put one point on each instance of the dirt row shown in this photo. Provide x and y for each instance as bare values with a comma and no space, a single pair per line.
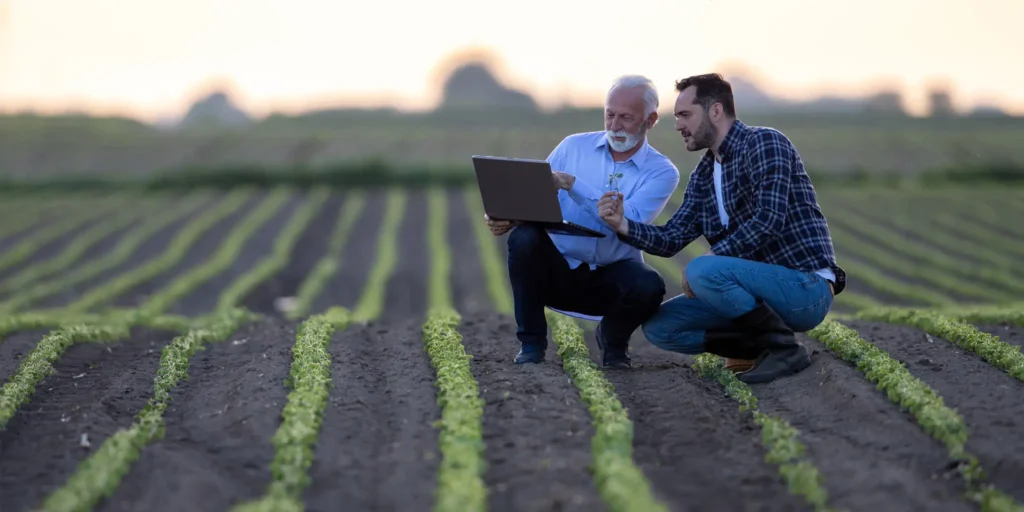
377,447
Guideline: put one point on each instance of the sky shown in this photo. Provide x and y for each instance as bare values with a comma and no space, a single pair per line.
149,59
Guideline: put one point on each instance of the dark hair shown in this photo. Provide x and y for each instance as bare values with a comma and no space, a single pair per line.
711,89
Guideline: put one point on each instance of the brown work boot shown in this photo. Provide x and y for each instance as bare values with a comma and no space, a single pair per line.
732,344
782,355
738,365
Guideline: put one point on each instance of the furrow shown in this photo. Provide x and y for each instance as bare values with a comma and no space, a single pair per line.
168,259
312,285
98,476
120,254
921,401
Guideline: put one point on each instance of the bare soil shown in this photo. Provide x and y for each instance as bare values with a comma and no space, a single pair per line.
871,454
97,389
308,249
47,251
987,398
357,257
690,440
377,448
536,428
203,248
13,349
216,451
259,246
148,250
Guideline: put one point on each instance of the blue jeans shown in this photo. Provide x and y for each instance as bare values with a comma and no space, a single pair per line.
625,292
725,288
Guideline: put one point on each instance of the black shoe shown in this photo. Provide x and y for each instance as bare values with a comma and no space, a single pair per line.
731,342
618,359
530,354
781,354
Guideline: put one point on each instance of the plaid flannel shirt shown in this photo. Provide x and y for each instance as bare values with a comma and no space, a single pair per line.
774,215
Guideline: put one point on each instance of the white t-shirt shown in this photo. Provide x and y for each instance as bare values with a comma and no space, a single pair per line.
724,216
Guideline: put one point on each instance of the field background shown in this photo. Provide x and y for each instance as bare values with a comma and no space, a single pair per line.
289,313
830,143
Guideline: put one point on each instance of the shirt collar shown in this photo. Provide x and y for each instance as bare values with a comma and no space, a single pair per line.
638,158
732,139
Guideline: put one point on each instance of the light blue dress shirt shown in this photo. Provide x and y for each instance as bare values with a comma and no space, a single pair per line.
648,180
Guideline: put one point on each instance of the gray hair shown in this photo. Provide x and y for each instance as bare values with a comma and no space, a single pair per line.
650,91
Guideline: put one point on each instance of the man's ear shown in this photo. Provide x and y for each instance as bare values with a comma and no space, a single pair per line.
652,120
717,112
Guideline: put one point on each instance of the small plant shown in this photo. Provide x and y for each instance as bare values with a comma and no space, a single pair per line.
613,181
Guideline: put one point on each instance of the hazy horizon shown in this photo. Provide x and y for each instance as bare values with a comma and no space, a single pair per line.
150,60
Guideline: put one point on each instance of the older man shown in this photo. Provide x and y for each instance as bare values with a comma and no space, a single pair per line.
594,276
771,269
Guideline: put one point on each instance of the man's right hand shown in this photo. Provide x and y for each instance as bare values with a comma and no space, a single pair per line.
686,287
609,207
499,227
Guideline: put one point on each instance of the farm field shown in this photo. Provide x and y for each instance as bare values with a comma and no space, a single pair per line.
286,349
41,146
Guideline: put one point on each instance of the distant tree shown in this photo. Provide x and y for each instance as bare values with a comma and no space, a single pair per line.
886,103
473,86
215,110
940,103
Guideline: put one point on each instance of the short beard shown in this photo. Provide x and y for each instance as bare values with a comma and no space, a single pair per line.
704,137
632,139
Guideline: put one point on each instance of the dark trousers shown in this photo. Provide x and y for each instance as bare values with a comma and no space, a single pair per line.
625,293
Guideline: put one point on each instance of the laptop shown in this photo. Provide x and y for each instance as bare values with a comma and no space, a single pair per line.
522,189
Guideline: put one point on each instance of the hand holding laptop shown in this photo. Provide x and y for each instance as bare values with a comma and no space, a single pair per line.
563,180
499,227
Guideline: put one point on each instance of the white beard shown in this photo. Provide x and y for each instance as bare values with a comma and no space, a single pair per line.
632,139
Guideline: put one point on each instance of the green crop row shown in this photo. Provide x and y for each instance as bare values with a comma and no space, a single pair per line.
979,240
99,475
302,416
949,239
281,256
328,265
996,352
460,483
619,481
778,436
49,320
621,484
170,257
888,284
924,404
20,215
38,364
128,244
372,302
941,271
75,219
460,440
74,250
221,260
1007,314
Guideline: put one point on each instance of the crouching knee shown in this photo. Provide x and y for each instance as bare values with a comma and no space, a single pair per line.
665,334
703,270
526,238
647,288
